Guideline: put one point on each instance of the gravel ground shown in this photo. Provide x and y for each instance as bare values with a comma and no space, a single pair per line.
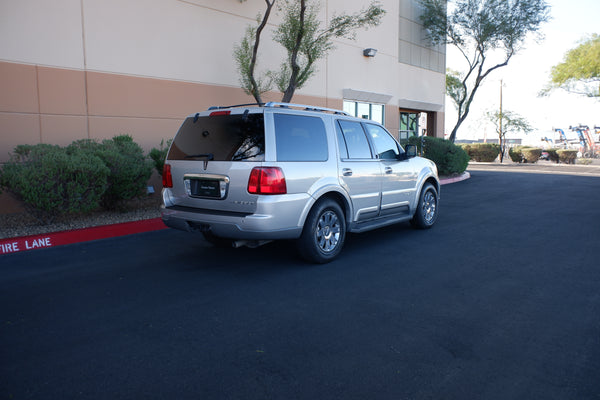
24,223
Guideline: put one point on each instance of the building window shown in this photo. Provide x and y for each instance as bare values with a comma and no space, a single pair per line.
409,126
372,111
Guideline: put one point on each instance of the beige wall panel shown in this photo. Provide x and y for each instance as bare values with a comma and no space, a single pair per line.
126,96
421,84
145,131
349,69
167,39
18,88
17,129
383,37
392,119
41,32
62,91
63,129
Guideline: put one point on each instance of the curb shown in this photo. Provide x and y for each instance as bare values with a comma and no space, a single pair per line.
43,241
463,177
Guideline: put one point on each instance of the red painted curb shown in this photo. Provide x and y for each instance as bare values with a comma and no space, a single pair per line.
464,176
33,242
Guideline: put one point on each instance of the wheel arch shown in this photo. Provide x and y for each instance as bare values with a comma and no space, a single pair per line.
330,193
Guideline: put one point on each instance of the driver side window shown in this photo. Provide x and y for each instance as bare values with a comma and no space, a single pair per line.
386,146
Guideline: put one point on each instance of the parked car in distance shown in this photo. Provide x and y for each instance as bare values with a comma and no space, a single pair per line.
248,174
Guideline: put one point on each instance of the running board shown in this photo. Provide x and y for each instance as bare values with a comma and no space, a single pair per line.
358,227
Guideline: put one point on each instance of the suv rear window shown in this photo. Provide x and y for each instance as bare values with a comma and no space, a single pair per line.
300,138
239,137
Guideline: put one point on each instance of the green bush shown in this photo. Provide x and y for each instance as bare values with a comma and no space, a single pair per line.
531,154
52,182
159,155
515,154
482,152
449,158
552,155
567,156
129,168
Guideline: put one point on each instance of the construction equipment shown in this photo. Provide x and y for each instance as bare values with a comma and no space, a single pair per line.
590,148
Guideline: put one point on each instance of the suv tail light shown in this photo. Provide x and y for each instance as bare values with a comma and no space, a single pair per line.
167,178
267,180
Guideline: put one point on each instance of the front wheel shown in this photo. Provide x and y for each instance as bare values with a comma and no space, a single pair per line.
324,233
427,209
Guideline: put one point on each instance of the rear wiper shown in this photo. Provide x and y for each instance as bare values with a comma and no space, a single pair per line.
208,156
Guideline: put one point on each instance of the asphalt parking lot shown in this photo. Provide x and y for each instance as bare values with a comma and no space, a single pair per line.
500,300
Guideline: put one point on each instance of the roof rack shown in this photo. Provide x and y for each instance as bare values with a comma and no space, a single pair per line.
273,104
236,105
305,107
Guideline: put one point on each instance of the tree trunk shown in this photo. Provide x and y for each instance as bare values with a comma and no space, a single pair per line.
255,88
289,92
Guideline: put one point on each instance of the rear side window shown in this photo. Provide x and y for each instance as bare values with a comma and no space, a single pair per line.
239,137
300,138
356,143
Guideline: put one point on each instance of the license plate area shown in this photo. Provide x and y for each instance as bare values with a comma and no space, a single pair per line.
206,186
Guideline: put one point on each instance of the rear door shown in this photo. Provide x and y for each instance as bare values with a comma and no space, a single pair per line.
211,159
359,172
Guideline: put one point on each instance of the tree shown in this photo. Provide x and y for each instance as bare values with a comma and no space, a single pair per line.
454,86
246,53
580,70
506,122
304,40
487,33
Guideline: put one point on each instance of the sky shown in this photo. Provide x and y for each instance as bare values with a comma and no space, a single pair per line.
527,73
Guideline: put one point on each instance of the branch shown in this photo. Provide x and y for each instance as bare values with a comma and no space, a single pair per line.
255,88
289,92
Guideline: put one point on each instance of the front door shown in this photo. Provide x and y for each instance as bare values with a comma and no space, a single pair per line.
398,182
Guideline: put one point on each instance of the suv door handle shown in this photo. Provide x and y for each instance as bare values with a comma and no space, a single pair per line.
388,170
346,172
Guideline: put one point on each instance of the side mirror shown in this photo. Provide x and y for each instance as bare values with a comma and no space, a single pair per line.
411,150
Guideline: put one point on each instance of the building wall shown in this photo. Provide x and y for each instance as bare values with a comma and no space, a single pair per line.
72,69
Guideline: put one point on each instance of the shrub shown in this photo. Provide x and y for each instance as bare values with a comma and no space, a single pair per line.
515,154
584,161
449,158
567,156
552,155
483,152
531,154
159,155
52,182
129,168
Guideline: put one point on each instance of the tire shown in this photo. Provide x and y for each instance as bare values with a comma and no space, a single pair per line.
324,232
216,240
427,209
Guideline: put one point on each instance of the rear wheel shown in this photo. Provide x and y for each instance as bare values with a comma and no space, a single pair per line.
324,232
427,209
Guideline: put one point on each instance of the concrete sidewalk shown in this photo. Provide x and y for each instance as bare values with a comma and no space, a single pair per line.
541,167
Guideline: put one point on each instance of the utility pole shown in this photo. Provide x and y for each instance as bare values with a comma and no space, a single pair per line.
502,146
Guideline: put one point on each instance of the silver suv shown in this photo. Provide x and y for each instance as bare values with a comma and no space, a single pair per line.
246,175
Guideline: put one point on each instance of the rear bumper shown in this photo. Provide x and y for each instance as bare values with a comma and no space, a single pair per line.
274,219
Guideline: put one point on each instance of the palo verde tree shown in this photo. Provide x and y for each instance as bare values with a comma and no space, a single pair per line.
580,70
454,86
486,32
305,40
507,122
